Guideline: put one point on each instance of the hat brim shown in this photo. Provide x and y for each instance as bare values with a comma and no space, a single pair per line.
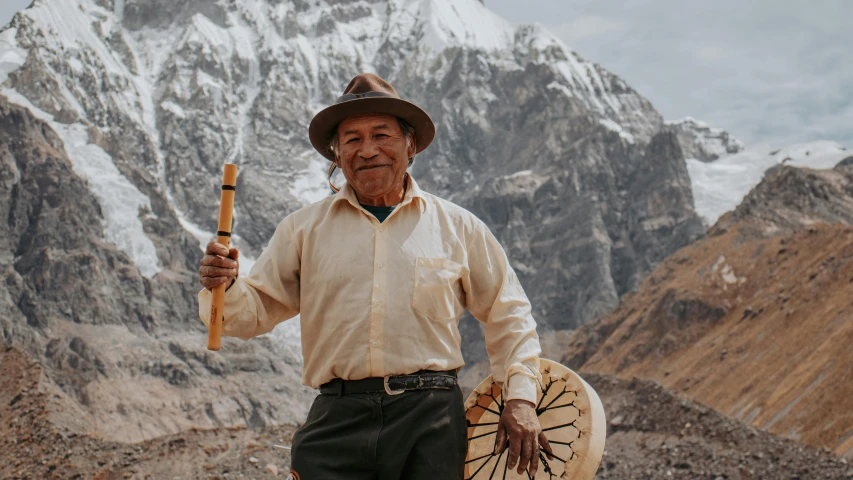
326,122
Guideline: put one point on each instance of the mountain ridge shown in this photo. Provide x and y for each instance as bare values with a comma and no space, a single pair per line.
754,319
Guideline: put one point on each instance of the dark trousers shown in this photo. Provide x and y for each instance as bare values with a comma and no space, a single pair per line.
419,435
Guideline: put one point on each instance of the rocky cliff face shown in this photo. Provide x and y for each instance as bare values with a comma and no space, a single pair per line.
122,348
754,320
574,171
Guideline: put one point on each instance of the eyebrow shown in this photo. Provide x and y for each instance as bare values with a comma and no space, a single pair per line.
384,126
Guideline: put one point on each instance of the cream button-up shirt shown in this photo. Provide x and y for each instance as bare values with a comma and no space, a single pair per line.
385,298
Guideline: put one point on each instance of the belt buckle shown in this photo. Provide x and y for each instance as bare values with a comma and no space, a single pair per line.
388,389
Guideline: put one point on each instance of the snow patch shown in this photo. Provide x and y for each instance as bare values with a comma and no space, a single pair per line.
450,23
720,186
200,234
560,87
11,56
311,185
173,107
119,10
613,126
120,200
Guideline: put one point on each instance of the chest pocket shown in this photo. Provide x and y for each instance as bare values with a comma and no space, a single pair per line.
437,289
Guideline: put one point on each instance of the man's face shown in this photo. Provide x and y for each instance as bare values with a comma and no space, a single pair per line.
373,155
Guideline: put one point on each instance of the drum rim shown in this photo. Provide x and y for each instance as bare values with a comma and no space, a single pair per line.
587,466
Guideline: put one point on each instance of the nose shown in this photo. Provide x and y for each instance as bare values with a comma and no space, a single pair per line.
369,149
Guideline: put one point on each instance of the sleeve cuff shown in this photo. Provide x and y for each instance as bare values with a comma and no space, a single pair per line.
205,299
522,387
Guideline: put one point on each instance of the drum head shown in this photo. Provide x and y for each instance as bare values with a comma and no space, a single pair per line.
571,415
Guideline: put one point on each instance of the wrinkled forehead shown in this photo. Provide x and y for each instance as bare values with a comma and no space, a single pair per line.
368,122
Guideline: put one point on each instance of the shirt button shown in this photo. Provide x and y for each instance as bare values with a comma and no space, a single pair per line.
380,229
380,264
375,344
376,302
376,285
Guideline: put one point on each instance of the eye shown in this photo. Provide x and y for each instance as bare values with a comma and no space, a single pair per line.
381,135
351,140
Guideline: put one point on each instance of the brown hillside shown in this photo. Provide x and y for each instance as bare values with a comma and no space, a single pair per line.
36,443
652,433
759,328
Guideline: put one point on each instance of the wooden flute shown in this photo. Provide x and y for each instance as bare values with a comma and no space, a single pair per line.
223,236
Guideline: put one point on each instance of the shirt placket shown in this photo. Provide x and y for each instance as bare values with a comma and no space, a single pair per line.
376,364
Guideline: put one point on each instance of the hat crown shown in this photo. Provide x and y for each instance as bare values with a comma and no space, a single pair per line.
369,82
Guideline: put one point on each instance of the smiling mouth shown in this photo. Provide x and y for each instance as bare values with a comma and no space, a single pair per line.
372,167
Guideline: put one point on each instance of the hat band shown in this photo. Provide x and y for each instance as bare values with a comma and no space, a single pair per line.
354,96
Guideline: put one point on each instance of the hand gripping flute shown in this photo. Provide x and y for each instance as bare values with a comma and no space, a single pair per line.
223,236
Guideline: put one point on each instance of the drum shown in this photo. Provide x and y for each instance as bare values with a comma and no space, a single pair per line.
571,416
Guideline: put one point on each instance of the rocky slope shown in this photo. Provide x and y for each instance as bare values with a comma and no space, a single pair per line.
118,344
38,443
755,320
652,433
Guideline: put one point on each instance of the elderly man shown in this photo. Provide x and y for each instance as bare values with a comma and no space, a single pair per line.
380,273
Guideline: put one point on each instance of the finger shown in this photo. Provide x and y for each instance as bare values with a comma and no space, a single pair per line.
500,439
534,457
216,248
526,450
218,272
233,253
546,445
212,282
216,261
514,450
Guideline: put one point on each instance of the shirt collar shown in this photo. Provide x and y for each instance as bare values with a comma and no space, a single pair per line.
413,192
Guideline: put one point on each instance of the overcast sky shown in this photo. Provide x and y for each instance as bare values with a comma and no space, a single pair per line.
769,71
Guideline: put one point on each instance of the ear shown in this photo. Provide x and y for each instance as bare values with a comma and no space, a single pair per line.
412,148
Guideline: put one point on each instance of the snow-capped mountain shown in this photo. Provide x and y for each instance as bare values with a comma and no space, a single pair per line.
702,142
573,170
723,171
170,91
719,186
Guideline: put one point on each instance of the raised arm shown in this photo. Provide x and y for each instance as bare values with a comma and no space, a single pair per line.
254,305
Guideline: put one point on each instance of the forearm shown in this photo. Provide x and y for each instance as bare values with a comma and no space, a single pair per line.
514,350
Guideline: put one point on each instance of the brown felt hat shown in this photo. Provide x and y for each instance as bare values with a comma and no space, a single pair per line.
366,94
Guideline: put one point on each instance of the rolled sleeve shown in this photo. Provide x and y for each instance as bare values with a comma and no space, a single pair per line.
495,297
522,387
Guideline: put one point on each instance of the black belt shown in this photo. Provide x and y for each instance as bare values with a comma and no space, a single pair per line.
392,384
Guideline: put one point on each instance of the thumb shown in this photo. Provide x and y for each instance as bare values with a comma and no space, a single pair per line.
233,254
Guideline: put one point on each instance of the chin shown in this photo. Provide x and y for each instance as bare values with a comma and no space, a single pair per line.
373,189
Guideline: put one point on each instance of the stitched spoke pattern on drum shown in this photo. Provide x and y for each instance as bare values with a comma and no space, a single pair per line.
561,435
